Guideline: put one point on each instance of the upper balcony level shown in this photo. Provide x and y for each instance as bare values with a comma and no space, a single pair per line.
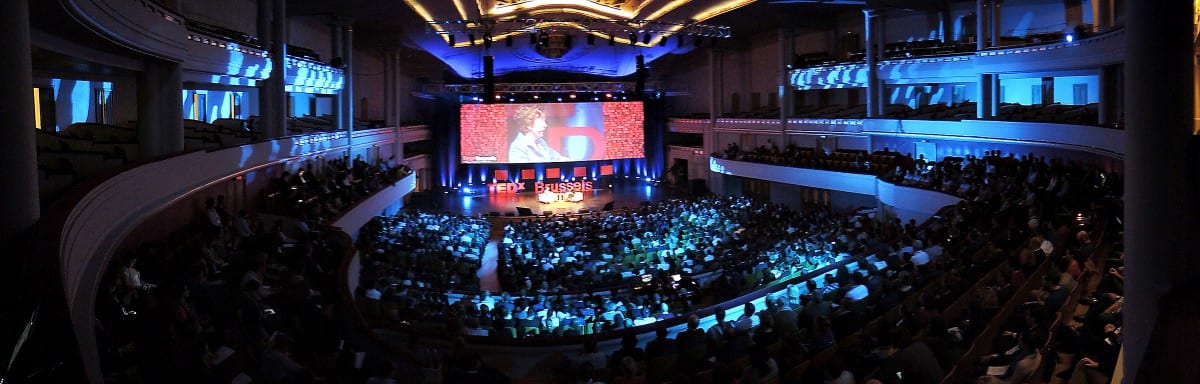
209,54
939,67
1105,142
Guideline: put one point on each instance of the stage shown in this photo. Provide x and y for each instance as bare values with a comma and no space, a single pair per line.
479,200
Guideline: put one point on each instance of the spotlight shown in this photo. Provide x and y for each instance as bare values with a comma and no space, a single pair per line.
1070,38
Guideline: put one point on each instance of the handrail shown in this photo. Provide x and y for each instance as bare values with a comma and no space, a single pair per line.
83,231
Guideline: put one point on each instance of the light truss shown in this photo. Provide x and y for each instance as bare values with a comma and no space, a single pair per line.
535,88
610,27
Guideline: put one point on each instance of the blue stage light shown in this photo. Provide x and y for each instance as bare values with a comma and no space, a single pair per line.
1070,38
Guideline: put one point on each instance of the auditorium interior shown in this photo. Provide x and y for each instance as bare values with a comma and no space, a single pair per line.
599,191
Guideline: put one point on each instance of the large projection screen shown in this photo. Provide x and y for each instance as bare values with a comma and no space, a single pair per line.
551,132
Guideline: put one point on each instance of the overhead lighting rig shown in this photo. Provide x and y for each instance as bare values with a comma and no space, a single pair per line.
609,27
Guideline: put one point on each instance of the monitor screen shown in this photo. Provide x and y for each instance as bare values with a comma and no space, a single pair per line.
551,132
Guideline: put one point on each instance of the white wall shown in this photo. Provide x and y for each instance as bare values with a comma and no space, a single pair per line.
1020,91
901,25
916,95
1064,89
1022,17
368,84
238,15
312,32
756,69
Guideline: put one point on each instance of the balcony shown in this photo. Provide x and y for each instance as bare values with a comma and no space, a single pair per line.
1092,52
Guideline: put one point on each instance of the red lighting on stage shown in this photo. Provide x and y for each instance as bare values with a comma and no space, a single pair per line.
606,170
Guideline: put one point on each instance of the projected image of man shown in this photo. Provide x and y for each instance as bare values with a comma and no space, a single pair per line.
530,144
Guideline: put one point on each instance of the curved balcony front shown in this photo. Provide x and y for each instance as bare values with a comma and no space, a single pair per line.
1092,52
140,25
100,220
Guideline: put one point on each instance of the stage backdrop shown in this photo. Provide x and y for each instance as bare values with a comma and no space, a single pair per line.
566,132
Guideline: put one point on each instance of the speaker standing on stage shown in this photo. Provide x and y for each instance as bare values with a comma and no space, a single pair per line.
530,144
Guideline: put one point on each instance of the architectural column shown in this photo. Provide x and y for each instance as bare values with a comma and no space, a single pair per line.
1102,15
391,99
945,24
994,24
871,36
160,109
347,111
391,87
1160,203
272,94
1074,14
335,42
1111,97
18,171
877,81
787,102
981,24
716,181
989,95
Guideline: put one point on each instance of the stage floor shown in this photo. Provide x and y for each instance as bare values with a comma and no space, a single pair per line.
629,194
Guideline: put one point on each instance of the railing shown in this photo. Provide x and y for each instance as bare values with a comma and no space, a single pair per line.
91,227
1093,51
141,25
1097,140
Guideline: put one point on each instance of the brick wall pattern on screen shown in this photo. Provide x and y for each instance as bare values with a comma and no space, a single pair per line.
623,130
484,131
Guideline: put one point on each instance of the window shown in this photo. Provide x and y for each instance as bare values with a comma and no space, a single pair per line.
103,104
235,105
199,110
1079,93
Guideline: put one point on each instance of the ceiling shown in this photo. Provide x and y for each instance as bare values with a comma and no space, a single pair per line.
573,38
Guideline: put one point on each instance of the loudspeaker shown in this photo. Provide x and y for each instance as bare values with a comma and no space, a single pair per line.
640,88
608,207
523,211
489,79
